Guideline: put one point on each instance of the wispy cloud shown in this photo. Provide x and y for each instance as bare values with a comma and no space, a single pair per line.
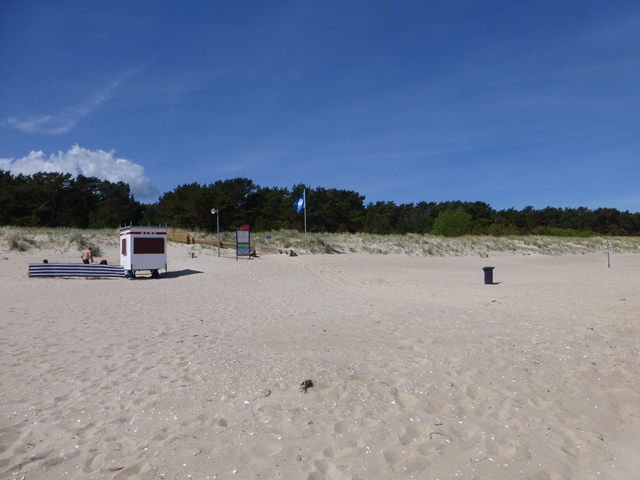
90,163
67,119
56,124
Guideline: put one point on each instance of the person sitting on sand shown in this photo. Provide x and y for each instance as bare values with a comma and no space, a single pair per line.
87,255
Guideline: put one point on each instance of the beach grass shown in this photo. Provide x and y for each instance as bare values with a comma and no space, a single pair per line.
22,239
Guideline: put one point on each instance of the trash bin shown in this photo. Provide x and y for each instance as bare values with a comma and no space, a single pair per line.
488,275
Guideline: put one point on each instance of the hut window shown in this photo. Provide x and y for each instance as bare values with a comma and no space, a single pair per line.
124,246
148,246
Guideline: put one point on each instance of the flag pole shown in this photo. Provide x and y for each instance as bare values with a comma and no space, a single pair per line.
304,193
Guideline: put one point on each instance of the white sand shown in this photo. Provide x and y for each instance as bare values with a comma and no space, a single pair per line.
419,369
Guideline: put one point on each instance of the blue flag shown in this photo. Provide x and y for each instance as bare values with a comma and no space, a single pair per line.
299,204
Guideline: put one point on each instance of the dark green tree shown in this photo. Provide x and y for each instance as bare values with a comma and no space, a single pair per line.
266,208
380,218
116,207
332,210
179,208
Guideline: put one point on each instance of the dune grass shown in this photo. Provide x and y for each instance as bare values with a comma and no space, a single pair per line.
436,246
287,241
22,239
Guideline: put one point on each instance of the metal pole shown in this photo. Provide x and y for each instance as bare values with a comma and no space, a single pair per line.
217,214
218,227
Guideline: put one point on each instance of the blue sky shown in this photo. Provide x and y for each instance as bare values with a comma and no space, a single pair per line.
510,103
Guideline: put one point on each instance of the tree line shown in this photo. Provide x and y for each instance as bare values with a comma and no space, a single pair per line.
58,200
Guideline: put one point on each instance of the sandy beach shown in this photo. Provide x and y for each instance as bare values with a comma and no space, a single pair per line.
419,369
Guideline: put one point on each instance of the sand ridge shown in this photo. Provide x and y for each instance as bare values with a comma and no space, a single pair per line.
419,369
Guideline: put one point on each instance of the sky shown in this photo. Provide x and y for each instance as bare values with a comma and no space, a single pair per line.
530,103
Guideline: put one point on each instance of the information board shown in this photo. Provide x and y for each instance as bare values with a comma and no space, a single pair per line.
243,241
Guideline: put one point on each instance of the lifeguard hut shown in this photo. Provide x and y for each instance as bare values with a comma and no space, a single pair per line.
143,248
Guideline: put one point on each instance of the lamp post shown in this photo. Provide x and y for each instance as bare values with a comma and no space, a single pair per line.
217,213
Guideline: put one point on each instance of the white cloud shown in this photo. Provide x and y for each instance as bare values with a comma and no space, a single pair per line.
90,163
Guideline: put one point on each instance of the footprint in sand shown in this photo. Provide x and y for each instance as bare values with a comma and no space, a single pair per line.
397,454
142,471
260,451
9,436
323,469
345,426
94,463
338,448
413,465
201,420
405,400
503,449
413,433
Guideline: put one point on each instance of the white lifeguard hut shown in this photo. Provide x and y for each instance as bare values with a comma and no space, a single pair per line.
143,248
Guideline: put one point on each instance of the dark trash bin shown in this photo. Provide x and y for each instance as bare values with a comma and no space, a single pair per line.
488,275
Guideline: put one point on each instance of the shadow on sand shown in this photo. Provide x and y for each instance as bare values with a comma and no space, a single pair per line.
182,273
173,274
